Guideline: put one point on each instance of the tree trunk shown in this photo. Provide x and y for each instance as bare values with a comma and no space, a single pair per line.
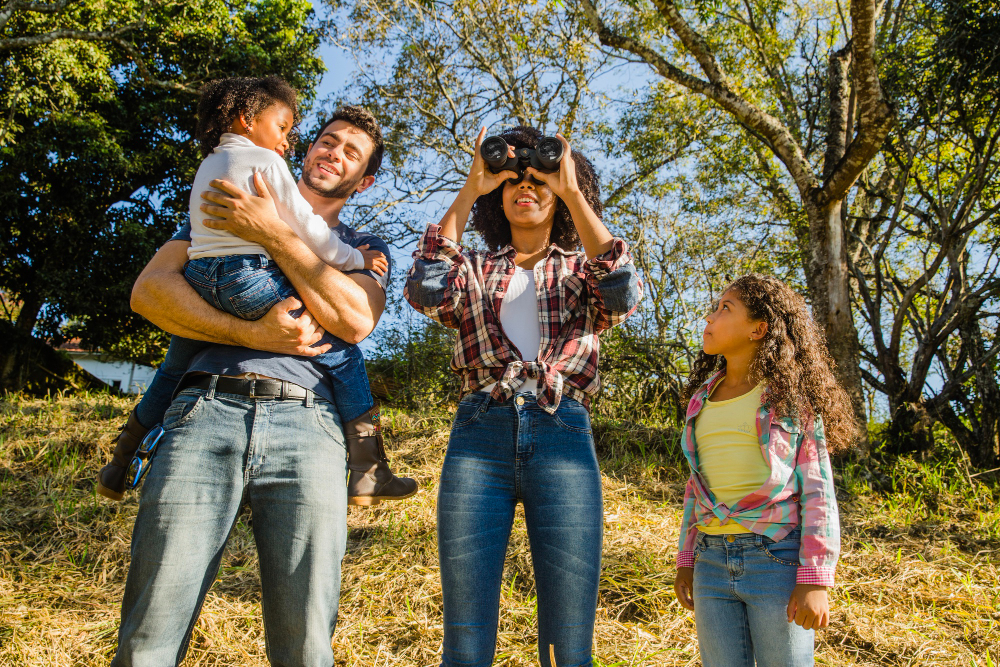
31,306
910,429
986,427
830,288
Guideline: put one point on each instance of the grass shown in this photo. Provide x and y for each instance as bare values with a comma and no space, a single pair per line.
919,572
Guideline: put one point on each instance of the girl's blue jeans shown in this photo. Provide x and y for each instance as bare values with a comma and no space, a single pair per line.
742,584
500,454
247,286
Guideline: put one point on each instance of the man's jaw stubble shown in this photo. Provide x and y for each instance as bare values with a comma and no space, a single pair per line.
342,190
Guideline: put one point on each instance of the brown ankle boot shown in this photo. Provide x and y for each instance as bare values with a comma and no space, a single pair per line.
111,478
371,481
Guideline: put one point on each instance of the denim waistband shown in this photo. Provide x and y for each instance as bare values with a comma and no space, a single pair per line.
743,539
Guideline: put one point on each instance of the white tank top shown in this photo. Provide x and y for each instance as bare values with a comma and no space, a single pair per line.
519,319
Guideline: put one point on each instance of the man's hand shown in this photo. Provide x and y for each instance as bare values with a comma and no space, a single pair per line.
374,260
281,332
809,607
252,218
684,587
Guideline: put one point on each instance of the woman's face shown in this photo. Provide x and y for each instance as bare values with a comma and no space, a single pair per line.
528,205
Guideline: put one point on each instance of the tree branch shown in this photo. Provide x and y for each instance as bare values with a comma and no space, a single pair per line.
49,37
782,143
874,115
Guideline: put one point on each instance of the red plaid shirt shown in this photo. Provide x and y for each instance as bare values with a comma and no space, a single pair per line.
578,298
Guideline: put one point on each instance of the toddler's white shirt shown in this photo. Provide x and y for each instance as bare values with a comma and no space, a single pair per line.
235,159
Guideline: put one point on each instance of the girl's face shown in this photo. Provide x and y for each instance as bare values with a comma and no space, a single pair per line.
528,205
729,328
270,128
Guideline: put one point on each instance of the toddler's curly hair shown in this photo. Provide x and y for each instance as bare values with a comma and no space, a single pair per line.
225,100
487,213
792,359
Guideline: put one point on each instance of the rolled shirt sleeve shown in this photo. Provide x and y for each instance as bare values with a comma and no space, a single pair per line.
820,545
614,285
436,283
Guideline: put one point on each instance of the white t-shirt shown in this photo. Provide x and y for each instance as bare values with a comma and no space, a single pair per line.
519,319
235,159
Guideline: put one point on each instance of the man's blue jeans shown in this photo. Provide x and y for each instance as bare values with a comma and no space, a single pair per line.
498,454
287,460
741,592
247,286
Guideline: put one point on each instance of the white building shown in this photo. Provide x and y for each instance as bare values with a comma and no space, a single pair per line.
121,375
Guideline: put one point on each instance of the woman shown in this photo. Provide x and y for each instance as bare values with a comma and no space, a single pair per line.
528,313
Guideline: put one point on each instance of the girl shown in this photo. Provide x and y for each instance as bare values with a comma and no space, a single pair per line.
760,533
243,127
528,313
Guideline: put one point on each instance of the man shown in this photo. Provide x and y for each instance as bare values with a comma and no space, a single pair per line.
254,422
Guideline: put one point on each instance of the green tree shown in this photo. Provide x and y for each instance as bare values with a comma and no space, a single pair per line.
926,233
96,148
761,62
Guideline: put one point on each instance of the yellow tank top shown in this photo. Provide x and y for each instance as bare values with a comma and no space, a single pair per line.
729,453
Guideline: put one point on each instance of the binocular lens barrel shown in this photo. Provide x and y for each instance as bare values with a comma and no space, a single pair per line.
494,152
549,152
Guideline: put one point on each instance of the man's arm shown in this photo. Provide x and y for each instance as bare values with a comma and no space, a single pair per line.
347,305
162,295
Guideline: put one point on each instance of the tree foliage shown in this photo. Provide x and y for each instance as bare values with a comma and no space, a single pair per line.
96,152
782,138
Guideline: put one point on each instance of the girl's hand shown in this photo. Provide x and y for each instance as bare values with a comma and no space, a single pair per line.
563,182
481,180
809,607
684,587
374,260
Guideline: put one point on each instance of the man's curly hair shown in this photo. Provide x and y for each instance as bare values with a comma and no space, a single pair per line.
364,120
792,359
225,100
487,213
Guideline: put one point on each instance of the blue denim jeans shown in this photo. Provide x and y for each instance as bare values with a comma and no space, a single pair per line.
741,593
247,286
499,454
287,461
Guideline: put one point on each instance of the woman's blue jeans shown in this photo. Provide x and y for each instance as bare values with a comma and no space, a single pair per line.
742,584
499,454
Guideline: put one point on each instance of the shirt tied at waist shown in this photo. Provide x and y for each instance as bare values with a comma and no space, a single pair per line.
550,383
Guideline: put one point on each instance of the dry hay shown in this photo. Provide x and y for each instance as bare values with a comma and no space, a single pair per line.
919,578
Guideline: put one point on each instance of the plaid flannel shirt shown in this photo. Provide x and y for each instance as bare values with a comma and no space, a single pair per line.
798,491
578,298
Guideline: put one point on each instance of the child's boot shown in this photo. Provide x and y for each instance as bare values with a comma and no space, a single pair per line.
371,481
111,479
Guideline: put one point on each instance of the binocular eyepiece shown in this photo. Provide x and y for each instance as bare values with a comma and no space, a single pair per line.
545,157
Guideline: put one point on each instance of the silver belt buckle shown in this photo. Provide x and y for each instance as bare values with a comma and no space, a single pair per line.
253,384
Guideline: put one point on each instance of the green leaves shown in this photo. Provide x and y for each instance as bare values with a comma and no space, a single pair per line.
96,154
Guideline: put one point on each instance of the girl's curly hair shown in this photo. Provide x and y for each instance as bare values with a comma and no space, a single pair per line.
792,359
225,100
487,213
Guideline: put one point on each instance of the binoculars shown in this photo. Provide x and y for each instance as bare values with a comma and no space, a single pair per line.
545,157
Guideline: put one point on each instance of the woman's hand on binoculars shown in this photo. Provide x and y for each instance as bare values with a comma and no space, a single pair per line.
562,181
481,180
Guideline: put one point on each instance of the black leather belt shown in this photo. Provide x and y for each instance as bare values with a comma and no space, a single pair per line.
263,388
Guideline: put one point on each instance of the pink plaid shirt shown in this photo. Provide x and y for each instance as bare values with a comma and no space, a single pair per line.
799,491
578,298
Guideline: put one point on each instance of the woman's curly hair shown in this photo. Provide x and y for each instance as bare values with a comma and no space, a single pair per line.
225,100
487,213
792,359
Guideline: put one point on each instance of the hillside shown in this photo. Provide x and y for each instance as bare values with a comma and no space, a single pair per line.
919,576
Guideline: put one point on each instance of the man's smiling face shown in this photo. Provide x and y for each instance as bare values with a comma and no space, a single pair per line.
334,166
